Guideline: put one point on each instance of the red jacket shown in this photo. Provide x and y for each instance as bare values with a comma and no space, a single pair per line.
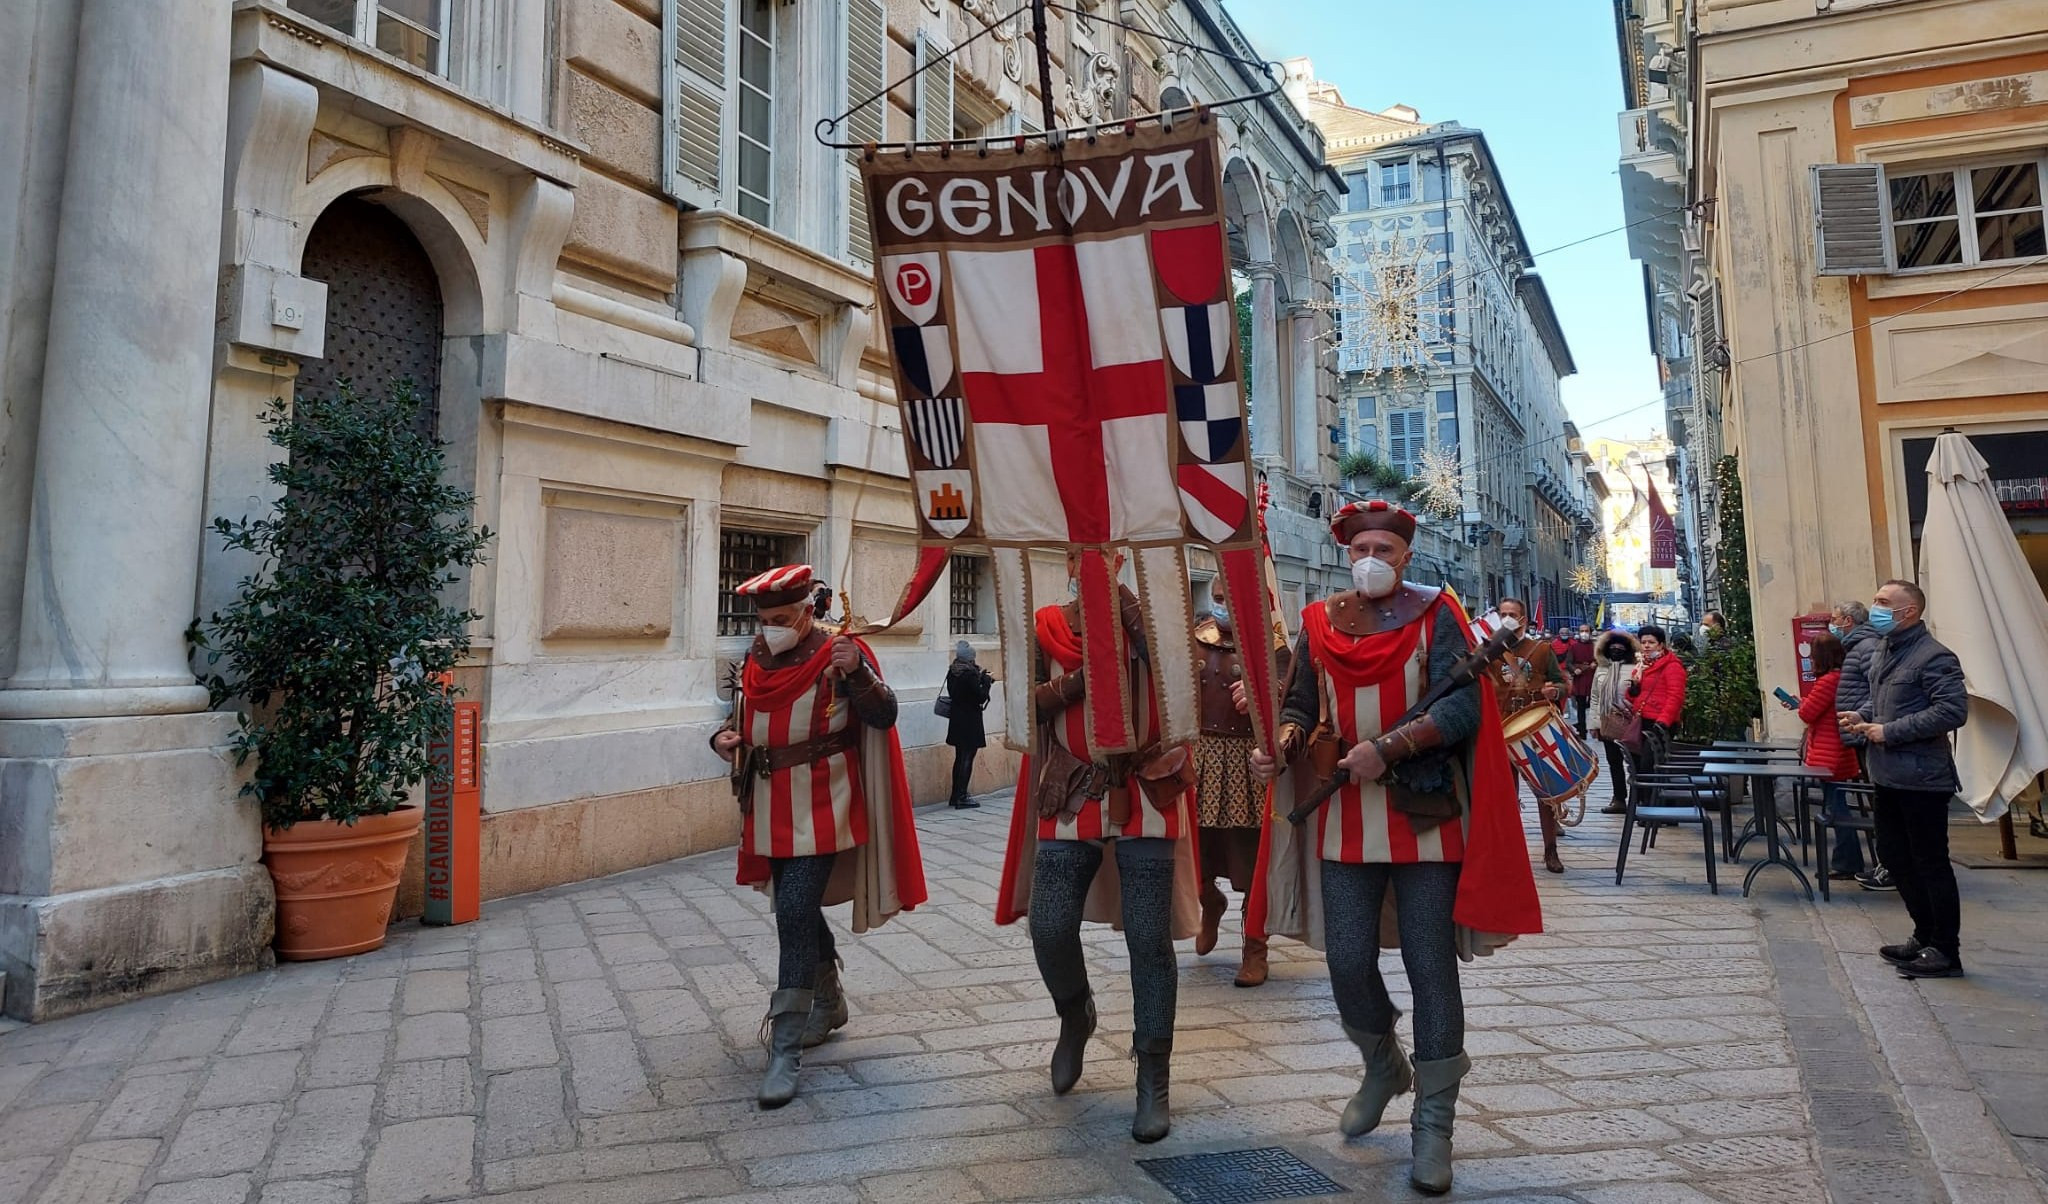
1824,748
1659,691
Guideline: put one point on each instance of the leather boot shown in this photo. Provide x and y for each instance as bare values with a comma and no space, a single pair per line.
1077,1024
828,1005
1436,1106
1253,970
1153,1119
788,1011
1547,815
1214,904
1387,1074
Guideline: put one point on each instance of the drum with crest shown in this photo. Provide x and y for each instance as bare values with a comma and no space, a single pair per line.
1552,759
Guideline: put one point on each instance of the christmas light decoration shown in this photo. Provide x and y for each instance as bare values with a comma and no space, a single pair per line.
1441,483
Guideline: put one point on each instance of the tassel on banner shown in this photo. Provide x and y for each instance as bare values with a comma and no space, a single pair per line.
1169,616
1105,655
1019,636
1244,584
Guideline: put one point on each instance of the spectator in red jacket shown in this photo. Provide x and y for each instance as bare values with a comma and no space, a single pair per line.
1824,747
1658,692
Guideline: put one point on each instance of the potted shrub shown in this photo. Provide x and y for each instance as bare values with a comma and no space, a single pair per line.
337,647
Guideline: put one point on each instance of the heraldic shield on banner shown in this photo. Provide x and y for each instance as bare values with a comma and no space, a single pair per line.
1063,333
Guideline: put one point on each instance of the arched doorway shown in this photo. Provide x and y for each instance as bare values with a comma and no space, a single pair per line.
383,304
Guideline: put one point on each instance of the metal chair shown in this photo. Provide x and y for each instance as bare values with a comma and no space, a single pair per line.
1858,796
1661,811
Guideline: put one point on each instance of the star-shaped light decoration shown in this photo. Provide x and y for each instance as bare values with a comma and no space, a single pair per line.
1442,481
1584,580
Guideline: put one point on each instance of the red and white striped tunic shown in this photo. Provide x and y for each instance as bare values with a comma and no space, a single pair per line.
808,810
1091,821
1357,826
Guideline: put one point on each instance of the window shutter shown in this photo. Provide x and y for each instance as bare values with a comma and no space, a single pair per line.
867,45
693,99
1849,219
934,91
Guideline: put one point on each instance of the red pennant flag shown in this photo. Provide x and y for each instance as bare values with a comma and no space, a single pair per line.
1663,533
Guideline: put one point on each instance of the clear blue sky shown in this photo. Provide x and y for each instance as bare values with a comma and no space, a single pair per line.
1542,78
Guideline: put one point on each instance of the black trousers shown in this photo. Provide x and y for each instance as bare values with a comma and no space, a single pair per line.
1579,711
963,771
1912,842
1617,767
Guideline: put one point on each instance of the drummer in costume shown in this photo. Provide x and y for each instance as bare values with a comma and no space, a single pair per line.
1229,803
1428,815
1103,837
818,772
1527,675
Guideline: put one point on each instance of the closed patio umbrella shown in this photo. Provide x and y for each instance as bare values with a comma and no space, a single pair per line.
1985,605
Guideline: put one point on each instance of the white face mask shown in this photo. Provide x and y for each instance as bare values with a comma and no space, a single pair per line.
1375,578
1510,623
781,639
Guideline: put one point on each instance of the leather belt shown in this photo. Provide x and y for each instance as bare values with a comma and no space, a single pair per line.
767,760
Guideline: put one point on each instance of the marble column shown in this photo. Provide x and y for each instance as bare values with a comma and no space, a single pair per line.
128,863
1302,349
116,515
1268,413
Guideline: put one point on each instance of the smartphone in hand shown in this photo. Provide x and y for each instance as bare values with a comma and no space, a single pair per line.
1785,697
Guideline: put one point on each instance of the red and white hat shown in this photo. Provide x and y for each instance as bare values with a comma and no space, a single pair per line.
1375,515
779,587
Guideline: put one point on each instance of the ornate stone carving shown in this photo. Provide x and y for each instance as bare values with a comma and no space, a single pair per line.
1005,34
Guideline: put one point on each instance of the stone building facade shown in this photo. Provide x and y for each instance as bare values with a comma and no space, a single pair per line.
1873,255
1450,345
603,238
1682,303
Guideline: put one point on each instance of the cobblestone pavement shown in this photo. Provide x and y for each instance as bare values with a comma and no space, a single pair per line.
597,1043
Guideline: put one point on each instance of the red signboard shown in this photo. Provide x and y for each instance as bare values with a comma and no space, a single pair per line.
454,824
1804,630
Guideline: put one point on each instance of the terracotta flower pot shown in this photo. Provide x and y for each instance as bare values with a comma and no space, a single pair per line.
335,882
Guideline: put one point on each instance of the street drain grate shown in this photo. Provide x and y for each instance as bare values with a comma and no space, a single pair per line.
1240,1177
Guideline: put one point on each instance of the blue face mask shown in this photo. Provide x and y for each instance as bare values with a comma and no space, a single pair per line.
1221,613
1837,630
1882,619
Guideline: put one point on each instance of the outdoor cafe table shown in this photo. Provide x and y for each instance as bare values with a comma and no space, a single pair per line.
1764,803
1744,756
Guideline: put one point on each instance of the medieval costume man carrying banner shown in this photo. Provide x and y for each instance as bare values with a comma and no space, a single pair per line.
1424,810
818,772
1073,805
1230,804
1526,675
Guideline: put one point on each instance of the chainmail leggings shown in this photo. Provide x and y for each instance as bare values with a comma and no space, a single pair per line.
1059,887
800,927
1423,894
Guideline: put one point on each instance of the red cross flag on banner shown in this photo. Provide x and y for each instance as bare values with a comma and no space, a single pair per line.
1063,331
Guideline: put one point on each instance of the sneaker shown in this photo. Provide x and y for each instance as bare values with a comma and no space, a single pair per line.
1932,963
1899,955
1877,879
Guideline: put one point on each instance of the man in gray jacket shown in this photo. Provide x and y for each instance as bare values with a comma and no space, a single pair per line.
1916,699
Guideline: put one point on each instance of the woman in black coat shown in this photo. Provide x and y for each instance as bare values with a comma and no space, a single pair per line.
968,686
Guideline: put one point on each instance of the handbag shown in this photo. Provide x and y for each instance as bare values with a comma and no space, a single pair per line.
942,706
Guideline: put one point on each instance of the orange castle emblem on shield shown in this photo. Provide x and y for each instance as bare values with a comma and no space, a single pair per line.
947,503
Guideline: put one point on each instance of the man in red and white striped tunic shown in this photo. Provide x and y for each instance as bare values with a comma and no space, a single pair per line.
1427,813
825,804
1072,800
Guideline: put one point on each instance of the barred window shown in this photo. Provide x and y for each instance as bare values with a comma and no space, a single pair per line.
970,575
743,554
